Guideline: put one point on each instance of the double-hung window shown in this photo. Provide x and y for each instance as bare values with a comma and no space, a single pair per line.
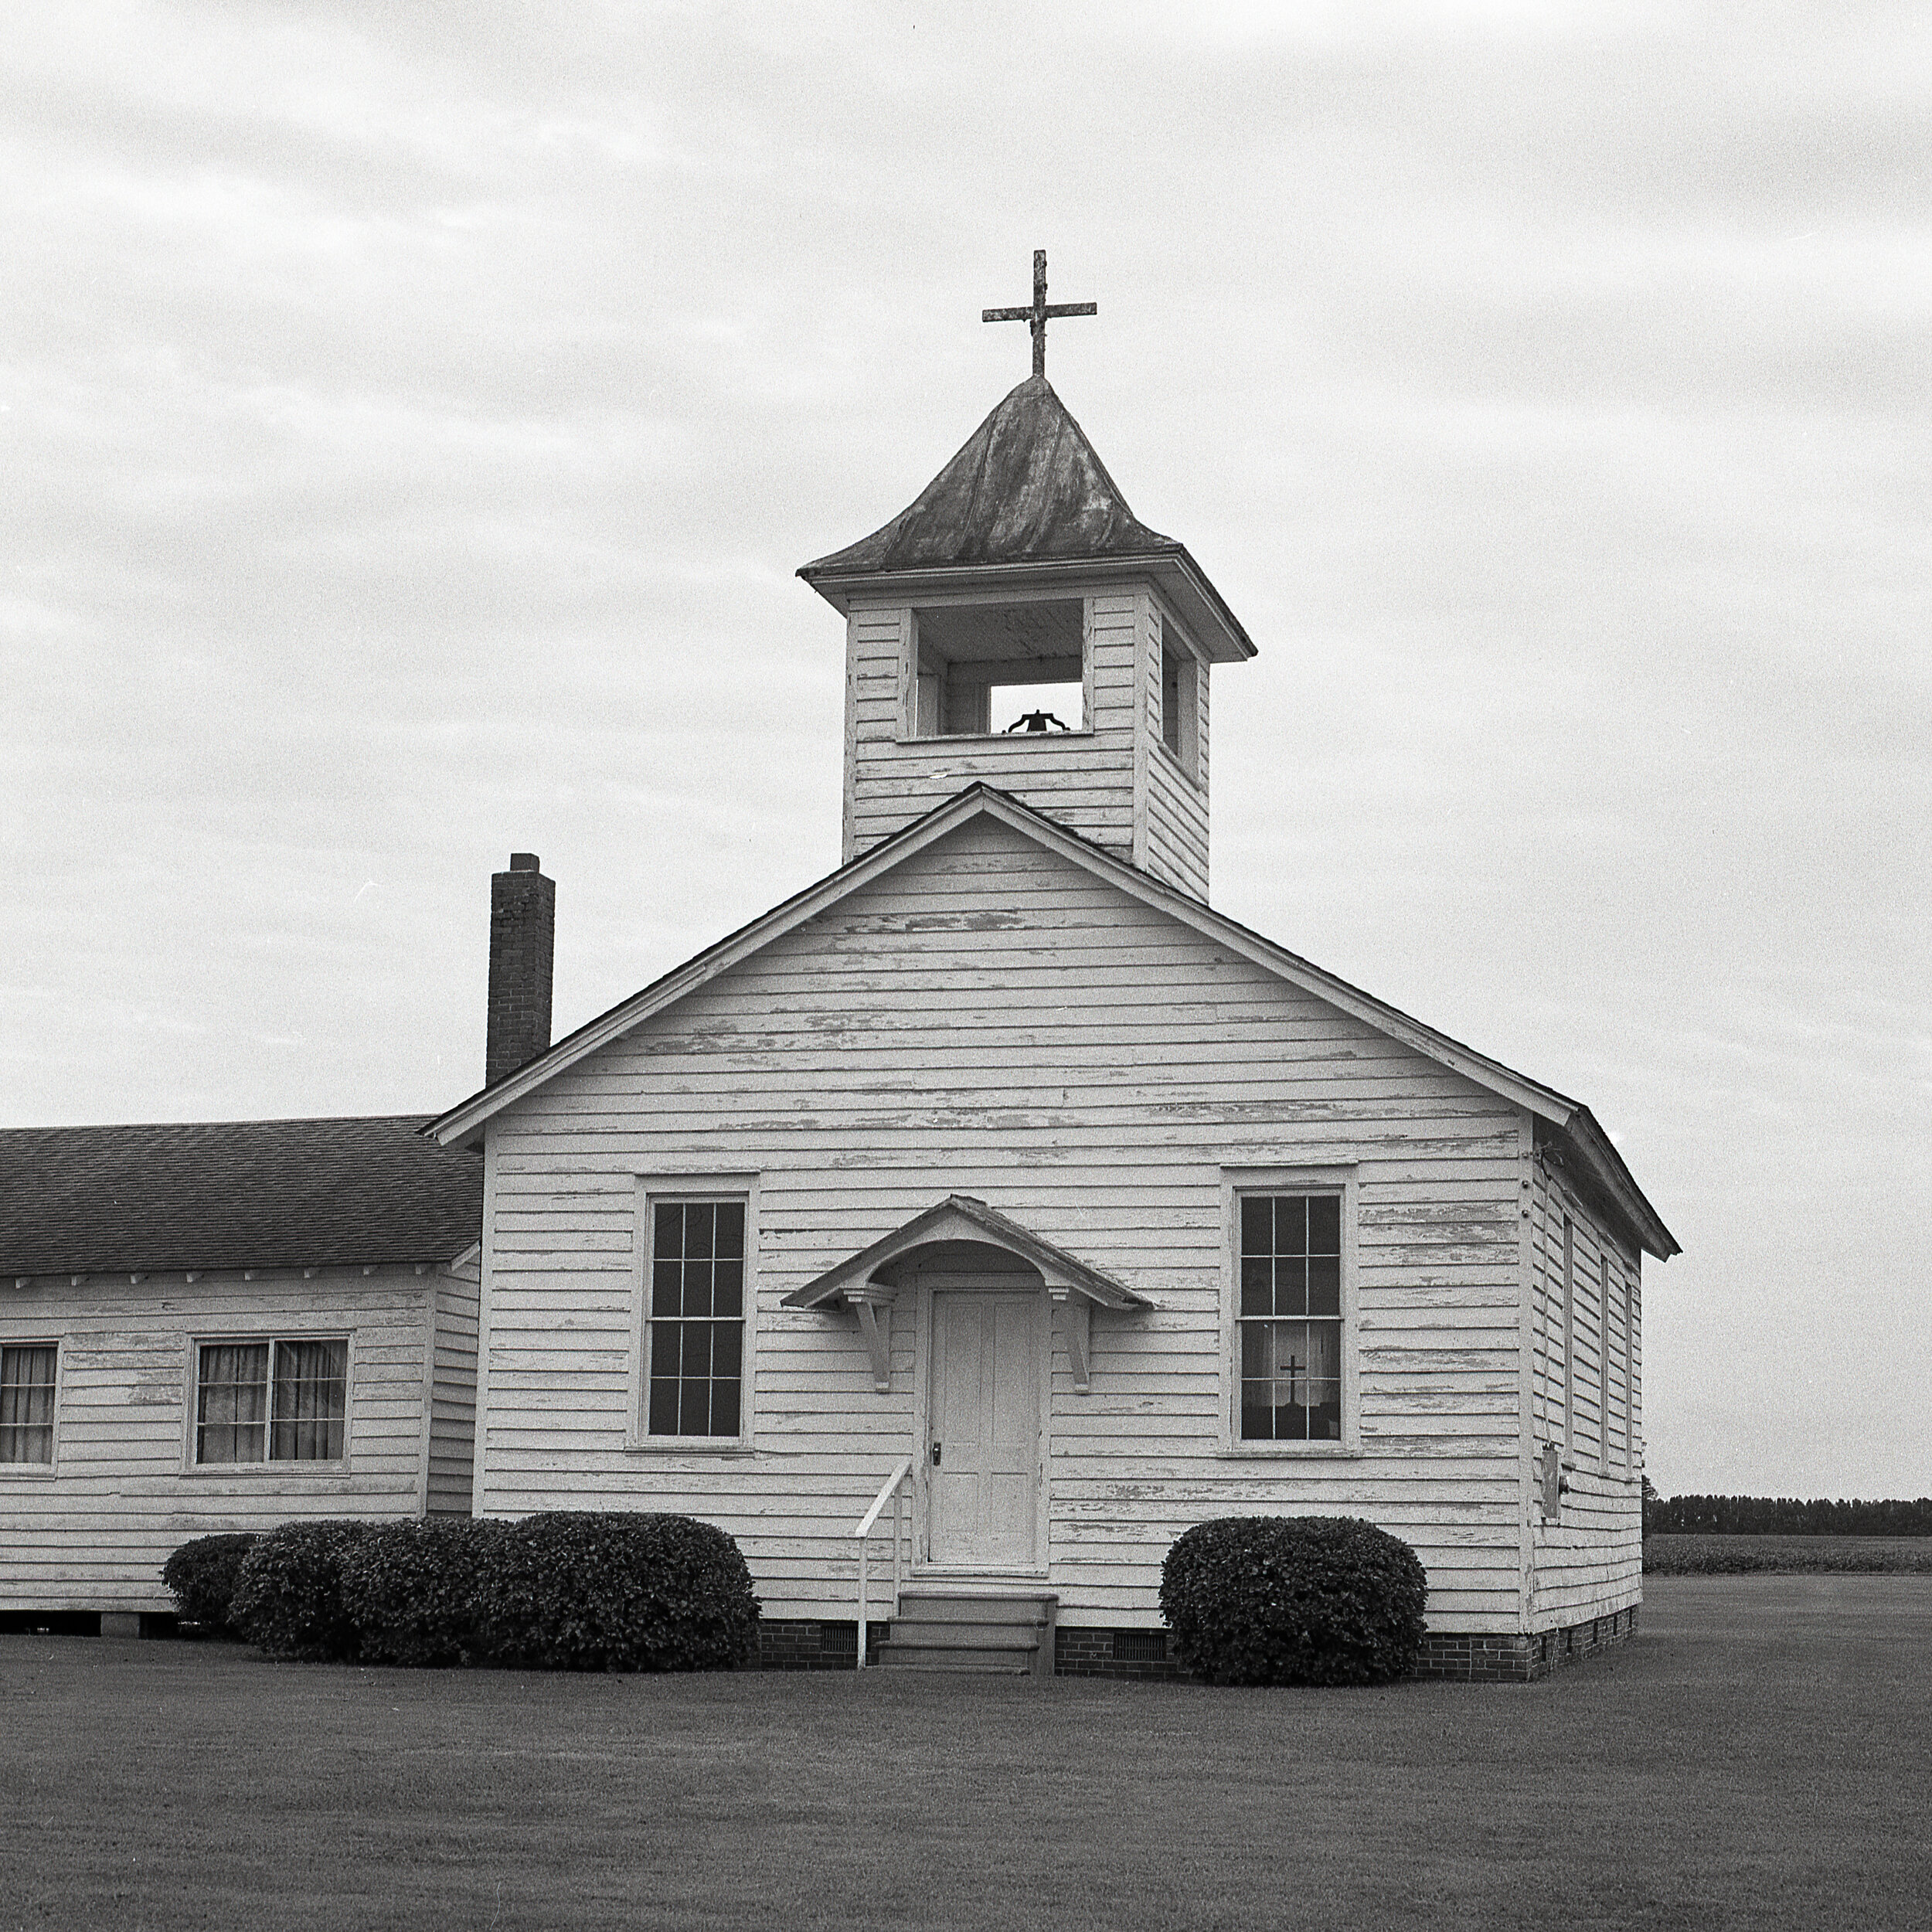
695,1386
280,1400
26,1402
1289,1323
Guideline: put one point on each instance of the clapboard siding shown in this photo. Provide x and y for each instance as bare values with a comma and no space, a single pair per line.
1089,781
1589,1561
988,1019
452,1409
122,1494
1174,844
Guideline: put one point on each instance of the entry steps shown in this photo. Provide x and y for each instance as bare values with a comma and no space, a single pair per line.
998,1630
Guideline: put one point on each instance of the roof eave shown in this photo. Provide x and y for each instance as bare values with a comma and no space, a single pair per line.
1616,1186
1200,605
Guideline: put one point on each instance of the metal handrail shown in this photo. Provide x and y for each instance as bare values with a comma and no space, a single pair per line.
894,1493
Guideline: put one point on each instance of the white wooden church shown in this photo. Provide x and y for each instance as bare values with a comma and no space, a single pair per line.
997,1193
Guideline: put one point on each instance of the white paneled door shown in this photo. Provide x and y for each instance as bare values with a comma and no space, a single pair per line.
983,1447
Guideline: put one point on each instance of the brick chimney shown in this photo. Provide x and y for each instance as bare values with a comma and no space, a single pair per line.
522,946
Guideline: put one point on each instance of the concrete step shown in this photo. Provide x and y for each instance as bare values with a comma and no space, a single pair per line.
1029,1611
951,1634
990,1660
1003,1630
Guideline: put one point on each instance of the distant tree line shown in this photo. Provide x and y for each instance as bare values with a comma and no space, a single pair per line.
1783,1516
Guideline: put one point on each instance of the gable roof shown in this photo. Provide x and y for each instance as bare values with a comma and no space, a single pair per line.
962,1217
1026,492
1586,1143
234,1194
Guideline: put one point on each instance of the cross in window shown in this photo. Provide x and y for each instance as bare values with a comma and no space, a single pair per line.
1035,316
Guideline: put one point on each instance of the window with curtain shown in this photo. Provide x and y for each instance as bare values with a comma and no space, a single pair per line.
26,1402
283,1400
1290,1324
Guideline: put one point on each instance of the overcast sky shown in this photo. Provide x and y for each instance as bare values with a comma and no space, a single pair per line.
413,417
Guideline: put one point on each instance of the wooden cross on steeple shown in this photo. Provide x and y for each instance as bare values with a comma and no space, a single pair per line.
1034,318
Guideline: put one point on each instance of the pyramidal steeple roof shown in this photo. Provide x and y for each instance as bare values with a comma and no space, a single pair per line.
1027,492
1028,487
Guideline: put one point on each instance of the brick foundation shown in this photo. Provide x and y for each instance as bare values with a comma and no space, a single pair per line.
1446,1656
1137,1654
1520,1660
1141,1655
810,1643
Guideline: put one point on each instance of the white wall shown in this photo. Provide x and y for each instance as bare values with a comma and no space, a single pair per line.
989,1019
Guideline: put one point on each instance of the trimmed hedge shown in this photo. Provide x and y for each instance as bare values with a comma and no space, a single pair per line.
288,1598
1294,1600
613,1591
201,1576
410,1590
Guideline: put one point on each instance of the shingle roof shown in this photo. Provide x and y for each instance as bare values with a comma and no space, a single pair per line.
1028,488
233,1194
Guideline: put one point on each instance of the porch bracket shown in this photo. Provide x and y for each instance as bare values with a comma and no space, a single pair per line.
873,1306
1076,1312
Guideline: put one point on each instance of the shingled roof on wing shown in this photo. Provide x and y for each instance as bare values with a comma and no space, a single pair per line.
233,1194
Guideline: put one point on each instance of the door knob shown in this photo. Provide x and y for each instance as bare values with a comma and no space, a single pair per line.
935,1455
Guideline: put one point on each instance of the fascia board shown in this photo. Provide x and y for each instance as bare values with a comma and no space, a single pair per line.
1607,1169
1541,1100
468,1115
957,1219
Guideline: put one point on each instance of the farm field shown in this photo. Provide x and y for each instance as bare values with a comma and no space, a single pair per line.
1758,1756
1677,1555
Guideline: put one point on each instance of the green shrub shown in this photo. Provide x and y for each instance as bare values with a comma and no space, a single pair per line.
1294,1600
201,1576
617,1591
410,1589
288,1601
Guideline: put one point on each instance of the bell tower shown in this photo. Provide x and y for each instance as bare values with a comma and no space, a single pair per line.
1018,626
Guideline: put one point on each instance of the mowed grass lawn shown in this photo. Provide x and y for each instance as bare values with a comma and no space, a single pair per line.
1761,1757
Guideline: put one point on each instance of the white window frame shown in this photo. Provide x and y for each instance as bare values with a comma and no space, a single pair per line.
38,1472
666,1190
270,1468
1339,1180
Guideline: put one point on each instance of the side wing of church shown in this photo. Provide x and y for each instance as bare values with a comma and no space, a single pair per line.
998,1177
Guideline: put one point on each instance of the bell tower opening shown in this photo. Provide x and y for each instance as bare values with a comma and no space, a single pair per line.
981,670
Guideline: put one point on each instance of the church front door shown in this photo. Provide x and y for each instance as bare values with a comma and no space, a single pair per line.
983,1443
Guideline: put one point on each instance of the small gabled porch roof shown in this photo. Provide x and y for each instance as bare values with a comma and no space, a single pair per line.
960,1217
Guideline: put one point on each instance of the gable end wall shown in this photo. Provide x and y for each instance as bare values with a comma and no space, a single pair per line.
989,1019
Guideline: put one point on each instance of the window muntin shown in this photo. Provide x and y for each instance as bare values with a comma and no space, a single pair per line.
1289,1325
282,1400
696,1380
27,1374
